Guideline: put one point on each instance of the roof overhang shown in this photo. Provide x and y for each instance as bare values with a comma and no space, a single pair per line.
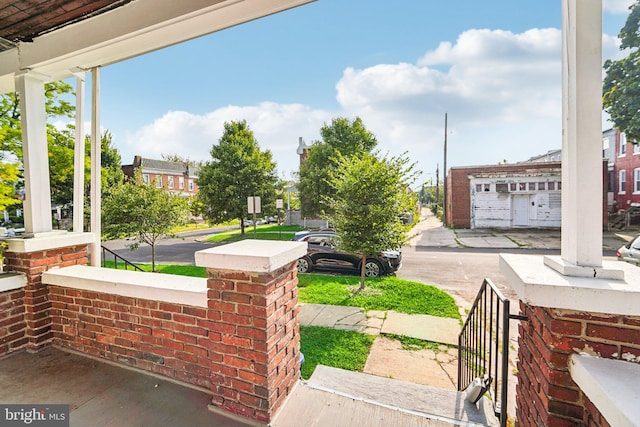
132,29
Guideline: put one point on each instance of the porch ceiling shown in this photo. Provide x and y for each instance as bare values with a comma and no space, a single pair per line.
56,38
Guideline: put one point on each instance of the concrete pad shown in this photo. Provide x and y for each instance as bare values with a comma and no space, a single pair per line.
308,312
488,242
429,328
333,316
440,237
388,359
104,394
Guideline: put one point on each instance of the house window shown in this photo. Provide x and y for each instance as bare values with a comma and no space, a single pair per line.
522,186
551,186
623,144
158,181
636,148
502,188
636,180
478,188
532,186
170,182
190,185
145,178
622,181
542,186
181,182
559,187
513,186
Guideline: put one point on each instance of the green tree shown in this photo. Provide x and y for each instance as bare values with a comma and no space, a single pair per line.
621,87
111,162
238,170
371,196
56,105
143,212
341,138
60,142
8,177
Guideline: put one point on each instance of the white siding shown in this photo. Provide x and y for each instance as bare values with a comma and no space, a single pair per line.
491,209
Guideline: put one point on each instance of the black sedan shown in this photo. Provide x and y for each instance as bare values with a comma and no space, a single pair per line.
322,254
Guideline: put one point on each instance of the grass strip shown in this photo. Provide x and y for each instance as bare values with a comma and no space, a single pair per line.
333,347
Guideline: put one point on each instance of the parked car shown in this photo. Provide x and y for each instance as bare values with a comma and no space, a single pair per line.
630,252
323,254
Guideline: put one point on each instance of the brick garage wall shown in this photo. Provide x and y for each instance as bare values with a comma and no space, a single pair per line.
35,296
13,326
256,333
546,393
164,338
458,199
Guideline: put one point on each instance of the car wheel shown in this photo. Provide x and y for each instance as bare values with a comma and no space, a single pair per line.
372,268
304,265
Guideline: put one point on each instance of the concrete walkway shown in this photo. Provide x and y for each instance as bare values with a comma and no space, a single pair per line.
437,367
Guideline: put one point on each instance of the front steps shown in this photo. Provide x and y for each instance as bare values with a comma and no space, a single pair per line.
335,397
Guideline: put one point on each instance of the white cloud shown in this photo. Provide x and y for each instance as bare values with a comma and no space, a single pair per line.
276,127
502,91
617,6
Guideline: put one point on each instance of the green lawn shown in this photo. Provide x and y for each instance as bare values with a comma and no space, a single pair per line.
333,347
263,232
382,293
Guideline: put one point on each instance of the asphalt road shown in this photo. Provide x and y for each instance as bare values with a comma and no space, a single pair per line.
168,251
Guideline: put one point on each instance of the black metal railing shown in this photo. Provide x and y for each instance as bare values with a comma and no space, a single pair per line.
117,260
483,346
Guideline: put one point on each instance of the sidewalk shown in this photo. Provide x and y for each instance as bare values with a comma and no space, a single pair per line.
429,232
387,358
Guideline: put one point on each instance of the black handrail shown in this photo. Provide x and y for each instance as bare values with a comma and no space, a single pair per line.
117,257
483,345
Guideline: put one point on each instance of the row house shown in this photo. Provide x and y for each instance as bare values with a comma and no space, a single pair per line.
176,177
623,159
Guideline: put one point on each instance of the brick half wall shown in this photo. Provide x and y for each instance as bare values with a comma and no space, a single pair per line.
165,338
547,395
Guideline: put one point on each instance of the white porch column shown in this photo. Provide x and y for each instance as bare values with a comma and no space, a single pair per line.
33,117
78,158
582,133
96,167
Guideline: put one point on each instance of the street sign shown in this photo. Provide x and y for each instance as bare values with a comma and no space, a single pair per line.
253,204
279,204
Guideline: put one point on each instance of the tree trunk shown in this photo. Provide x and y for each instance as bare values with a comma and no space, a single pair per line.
362,270
153,257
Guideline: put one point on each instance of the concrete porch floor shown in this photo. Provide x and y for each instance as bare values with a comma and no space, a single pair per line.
101,394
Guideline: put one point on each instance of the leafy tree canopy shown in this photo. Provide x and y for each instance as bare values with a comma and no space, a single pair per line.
56,106
341,138
238,169
371,196
621,87
143,212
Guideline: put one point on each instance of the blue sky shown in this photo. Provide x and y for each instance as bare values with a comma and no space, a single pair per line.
493,66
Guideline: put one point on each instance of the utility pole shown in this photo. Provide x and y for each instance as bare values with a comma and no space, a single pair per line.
444,215
437,184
